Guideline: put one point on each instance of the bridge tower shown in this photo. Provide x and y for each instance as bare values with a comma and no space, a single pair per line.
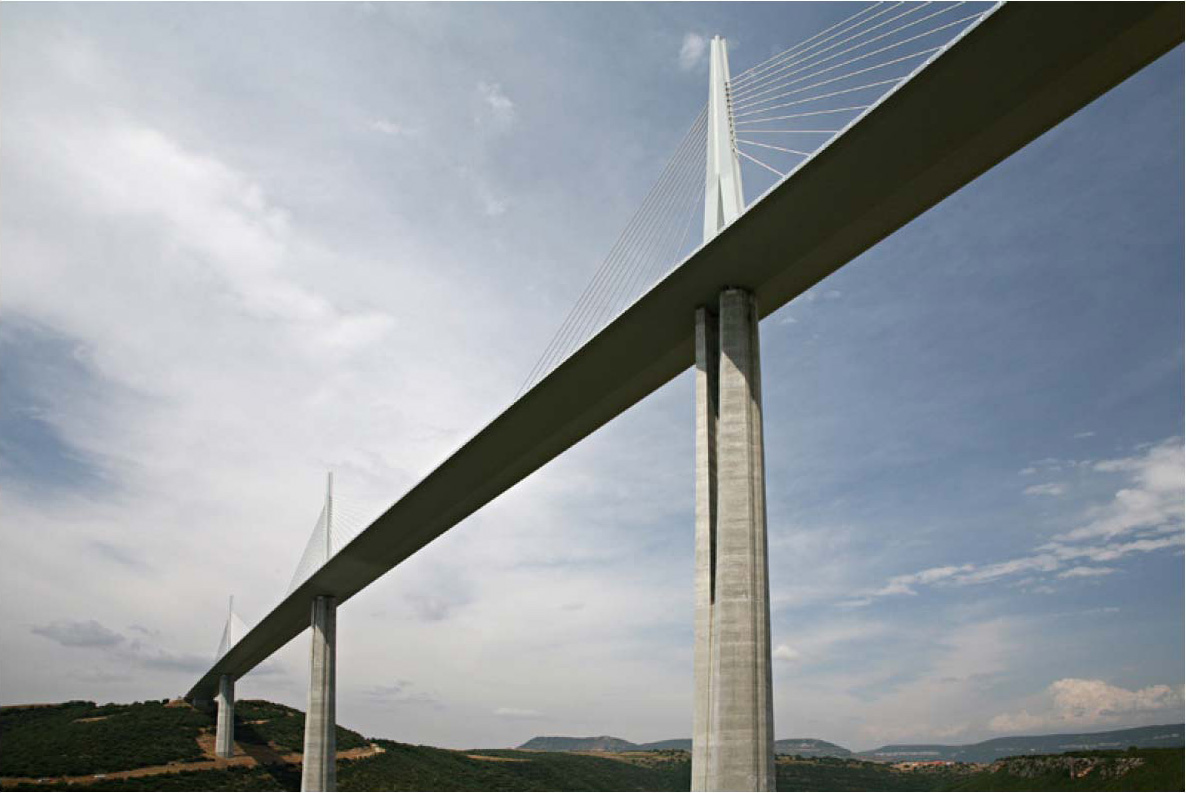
733,720
224,726
319,761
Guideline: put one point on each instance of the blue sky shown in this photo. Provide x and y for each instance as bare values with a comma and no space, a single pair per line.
248,243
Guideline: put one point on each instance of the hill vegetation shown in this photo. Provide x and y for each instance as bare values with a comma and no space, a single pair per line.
1132,769
1158,736
80,738
84,738
842,773
169,746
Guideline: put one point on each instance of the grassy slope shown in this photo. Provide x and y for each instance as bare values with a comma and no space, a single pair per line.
54,741
282,726
404,767
78,738
48,741
81,738
835,773
1163,770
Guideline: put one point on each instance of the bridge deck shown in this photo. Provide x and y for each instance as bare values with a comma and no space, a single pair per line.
1022,70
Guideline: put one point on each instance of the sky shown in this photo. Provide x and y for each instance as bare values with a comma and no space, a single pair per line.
248,244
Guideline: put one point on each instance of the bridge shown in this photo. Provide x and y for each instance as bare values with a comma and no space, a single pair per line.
999,77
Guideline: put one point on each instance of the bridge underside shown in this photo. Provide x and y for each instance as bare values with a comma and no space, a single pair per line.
1021,71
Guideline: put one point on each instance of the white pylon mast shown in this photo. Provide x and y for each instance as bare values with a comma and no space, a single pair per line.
723,199
329,513
230,623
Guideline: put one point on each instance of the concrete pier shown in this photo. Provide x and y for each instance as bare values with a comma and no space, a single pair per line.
736,696
707,393
224,736
741,746
318,766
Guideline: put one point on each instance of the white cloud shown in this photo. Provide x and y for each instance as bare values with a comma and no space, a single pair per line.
980,574
692,51
904,584
497,109
1048,489
218,222
1112,551
1153,501
1093,700
1074,702
1086,572
1151,508
786,653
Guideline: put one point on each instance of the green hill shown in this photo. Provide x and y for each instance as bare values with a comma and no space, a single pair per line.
83,738
173,741
1133,769
169,746
682,744
78,738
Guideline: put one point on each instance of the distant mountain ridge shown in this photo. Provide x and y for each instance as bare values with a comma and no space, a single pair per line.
1158,736
810,747
560,743
1152,737
807,747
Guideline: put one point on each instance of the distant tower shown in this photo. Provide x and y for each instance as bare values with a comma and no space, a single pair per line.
224,729
319,760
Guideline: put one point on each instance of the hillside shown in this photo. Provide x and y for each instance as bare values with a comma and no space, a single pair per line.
165,745
77,738
682,744
1135,769
1159,736
169,746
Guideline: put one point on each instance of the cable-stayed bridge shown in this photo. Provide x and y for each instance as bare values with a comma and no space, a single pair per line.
848,135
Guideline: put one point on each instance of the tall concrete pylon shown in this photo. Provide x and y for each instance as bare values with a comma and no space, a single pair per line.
224,727
319,761
733,719
224,730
